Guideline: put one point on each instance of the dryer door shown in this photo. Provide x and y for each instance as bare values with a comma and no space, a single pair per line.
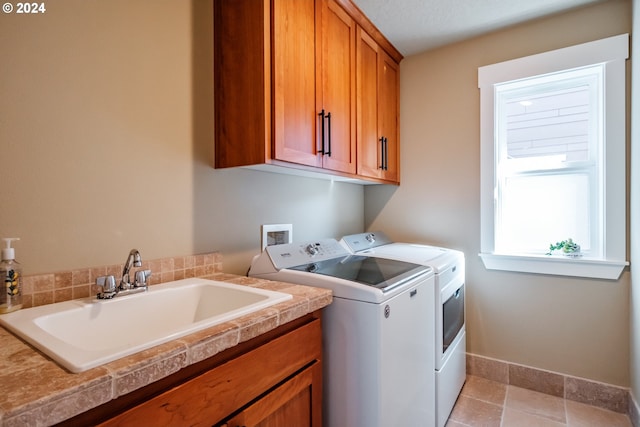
452,317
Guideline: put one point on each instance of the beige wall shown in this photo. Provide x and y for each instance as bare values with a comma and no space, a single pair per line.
635,213
106,136
569,325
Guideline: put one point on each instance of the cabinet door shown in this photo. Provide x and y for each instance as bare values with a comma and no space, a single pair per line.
377,129
338,87
389,113
369,141
294,82
294,403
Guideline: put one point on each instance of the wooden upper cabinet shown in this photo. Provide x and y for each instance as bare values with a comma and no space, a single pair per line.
338,89
295,133
314,84
378,110
389,115
285,86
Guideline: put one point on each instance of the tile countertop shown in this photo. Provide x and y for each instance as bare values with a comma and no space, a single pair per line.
36,391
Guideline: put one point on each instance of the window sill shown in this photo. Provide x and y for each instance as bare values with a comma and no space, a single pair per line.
556,265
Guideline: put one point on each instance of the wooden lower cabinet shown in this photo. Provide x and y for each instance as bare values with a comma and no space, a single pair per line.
274,380
290,404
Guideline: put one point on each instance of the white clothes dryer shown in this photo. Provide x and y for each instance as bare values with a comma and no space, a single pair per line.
450,333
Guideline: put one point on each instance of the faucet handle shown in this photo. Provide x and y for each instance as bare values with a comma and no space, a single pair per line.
141,278
108,284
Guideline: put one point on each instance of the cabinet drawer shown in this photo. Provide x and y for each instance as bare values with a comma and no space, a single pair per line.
214,395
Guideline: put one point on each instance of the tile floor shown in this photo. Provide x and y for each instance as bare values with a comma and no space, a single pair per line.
486,403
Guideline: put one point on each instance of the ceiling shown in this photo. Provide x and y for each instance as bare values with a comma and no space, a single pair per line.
414,26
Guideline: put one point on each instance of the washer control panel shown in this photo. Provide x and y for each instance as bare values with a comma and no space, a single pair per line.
294,254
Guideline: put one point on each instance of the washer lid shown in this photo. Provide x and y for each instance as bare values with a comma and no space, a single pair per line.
380,273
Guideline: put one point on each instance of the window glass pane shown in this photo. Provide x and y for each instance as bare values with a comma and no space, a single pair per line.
548,142
549,123
537,210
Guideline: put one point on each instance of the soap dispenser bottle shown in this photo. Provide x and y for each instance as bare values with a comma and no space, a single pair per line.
11,275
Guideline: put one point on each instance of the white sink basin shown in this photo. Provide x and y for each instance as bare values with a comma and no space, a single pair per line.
82,334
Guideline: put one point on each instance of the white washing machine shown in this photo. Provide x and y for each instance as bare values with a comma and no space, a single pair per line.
450,334
378,333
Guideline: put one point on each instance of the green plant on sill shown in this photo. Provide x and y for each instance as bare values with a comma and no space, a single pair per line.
567,246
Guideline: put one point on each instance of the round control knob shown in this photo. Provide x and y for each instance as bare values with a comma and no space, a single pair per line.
312,249
370,238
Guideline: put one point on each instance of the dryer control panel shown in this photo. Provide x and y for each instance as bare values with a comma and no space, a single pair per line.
361,241
294,254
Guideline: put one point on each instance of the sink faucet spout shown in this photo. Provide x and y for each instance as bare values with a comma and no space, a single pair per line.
133,260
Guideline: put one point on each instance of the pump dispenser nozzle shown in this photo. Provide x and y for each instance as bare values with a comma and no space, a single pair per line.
8,252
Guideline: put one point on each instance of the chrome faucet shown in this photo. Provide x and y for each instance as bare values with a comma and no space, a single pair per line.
108,283
133,260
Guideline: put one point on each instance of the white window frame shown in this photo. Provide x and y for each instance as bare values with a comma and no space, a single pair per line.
612,52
